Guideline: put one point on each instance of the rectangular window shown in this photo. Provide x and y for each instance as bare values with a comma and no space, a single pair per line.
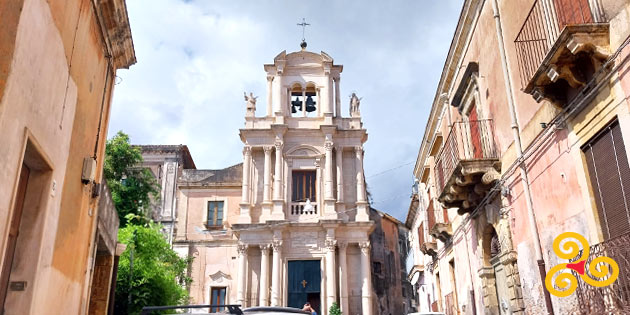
215,213
217,297
303,186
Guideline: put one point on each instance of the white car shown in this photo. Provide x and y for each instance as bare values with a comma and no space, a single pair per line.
231,309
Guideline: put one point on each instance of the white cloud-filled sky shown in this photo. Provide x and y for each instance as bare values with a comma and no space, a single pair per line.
196,58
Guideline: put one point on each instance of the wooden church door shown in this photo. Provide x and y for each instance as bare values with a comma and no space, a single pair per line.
304,283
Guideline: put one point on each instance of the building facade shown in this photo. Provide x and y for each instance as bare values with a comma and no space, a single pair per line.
58,62
166,163
528,137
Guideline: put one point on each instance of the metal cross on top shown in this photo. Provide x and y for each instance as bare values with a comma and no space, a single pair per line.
303,25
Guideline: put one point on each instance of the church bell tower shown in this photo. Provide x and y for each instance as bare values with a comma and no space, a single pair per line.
304,203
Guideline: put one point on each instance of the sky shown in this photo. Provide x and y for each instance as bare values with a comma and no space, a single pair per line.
196,58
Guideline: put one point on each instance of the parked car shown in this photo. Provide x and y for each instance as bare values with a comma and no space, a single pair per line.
229,309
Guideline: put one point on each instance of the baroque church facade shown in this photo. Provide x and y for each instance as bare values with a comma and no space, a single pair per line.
291,224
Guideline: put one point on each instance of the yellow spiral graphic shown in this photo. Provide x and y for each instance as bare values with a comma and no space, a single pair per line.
595,269
570,249
566,281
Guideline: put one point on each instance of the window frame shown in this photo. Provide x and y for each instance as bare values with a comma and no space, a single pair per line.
295,193
223,217
225,297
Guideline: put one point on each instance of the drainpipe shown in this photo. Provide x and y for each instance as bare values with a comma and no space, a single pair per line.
519,151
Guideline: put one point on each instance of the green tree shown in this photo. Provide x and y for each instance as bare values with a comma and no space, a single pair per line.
132,187
334,309
158,275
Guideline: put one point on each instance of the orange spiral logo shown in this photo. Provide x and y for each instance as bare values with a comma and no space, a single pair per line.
565,283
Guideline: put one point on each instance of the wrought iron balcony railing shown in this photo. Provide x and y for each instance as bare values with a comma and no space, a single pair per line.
541,29
612,299
469,150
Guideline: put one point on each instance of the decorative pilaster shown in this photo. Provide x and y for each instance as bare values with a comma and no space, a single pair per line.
329,197
264,275
343,277
278,202
337,98
266,204
278,107
269,95
331,287
276,273
245,215
242,274
366,288
341,207
362,205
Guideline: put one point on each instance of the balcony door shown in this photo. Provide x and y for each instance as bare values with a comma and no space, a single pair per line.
571,12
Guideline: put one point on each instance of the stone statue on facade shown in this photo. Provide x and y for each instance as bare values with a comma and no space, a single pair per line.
355,101
251,103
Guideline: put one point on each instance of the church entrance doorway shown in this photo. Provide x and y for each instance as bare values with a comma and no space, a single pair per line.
304,283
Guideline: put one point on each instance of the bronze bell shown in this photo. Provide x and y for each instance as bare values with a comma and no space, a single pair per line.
310,104
296,103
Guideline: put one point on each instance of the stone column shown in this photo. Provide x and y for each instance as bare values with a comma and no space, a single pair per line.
303,102
245,205
242,274
278,202
331,283
269,97
328,172
343,278
366,288
264,275
337,98
362,211
276,273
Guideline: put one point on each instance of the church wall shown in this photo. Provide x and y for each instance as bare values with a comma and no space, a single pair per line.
349,182
214,265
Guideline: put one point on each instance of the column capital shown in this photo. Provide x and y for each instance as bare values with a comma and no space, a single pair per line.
365,247
247,150
328,145
264,248
330,244
278,144
358,150
318,163
270,78
268,149
277,246
242,249
342,245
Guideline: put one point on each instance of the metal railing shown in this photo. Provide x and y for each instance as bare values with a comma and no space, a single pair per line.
545,21
466,141
299,208
612,299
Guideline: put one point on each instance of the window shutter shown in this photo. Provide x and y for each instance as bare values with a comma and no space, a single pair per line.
609,173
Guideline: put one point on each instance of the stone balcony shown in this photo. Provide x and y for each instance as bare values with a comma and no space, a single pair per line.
466,166
560,48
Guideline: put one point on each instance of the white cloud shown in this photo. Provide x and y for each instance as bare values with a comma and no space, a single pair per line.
195,59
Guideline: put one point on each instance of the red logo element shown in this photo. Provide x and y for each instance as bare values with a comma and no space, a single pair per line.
578,266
